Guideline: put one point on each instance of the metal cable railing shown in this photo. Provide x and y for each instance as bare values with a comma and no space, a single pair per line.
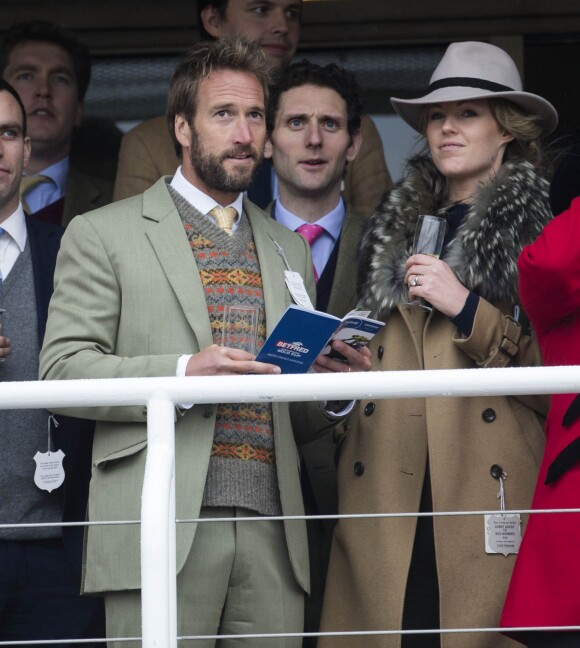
158,520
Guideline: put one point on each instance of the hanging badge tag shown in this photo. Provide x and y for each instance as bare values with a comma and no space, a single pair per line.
49,473
294,281
296,288
503,532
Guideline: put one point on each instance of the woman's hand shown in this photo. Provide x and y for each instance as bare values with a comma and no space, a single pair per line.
434,281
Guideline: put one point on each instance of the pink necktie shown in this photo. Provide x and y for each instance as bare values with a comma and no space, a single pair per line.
311,232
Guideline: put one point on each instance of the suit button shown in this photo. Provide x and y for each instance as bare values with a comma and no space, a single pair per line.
488,415
380,352
496,471
369,409
359,468
208,412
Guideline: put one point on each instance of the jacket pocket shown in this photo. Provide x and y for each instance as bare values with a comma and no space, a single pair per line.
117,456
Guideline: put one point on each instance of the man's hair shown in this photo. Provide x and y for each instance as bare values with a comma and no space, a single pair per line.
6,87
47,32
330,76
219,5
203,59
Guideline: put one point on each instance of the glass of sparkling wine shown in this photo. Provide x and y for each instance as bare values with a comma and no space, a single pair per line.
429,236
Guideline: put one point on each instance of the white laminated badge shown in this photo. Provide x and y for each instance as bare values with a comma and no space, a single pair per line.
503,533
294,281
296,287
49,473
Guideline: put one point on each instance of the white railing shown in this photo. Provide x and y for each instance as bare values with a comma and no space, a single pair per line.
159,626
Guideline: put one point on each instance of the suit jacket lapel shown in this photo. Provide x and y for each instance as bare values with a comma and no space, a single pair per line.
271,265
166,234
343,294
44,242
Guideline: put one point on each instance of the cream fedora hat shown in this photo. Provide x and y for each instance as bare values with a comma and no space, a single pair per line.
474,70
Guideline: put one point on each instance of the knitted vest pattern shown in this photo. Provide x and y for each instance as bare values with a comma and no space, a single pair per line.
242,466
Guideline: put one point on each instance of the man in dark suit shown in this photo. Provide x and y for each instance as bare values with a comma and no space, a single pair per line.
40,566
50,69
314,124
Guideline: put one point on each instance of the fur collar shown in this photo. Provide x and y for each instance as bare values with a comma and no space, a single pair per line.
507,214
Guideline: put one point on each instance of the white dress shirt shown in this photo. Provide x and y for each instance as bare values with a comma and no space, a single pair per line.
324,245
201,201
13,241
46,193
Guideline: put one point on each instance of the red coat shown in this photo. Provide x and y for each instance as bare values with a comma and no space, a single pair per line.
544,590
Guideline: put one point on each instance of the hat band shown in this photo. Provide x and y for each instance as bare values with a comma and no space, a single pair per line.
469,82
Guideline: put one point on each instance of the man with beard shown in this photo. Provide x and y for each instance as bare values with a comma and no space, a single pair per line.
140,290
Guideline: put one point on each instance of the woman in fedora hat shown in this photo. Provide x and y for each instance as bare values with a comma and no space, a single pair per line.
479,172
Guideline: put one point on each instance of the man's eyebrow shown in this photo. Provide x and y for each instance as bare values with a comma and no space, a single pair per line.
19,67
11,126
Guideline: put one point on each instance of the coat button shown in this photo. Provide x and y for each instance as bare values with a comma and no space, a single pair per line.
359,468
496,471
380,353
488,415
369,409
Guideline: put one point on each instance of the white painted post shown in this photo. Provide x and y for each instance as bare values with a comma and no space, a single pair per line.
158,588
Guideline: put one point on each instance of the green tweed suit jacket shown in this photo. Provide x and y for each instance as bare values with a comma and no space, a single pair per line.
128,302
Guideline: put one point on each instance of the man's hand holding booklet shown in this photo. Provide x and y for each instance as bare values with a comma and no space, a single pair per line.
302,335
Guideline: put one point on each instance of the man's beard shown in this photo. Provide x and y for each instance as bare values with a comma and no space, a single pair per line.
210,169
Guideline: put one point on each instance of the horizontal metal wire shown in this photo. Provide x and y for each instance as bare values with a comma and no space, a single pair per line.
378,385
281,518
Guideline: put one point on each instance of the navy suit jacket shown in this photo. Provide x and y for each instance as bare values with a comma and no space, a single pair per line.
73,436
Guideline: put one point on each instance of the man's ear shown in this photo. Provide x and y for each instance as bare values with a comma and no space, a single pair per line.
212,21
182,131
268,149
27,150
354,147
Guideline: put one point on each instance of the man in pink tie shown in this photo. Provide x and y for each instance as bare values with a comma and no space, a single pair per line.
314,124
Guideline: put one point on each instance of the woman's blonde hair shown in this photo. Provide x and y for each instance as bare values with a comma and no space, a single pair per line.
524,127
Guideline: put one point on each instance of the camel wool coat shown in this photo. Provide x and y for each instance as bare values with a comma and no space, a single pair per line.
387,443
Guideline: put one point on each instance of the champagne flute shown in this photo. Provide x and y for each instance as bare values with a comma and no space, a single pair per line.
429,236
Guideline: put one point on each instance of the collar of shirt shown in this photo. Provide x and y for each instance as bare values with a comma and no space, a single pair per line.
47,193
14,241
201,201
332,222
323,246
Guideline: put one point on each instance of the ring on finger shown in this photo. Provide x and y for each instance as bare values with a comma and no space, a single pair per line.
415,281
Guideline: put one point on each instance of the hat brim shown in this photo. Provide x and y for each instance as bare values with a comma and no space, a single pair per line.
410,110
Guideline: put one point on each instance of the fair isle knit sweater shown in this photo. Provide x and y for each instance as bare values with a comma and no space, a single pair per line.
242,466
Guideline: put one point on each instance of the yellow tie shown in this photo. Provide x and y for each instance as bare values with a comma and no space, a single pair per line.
224,218
27,184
